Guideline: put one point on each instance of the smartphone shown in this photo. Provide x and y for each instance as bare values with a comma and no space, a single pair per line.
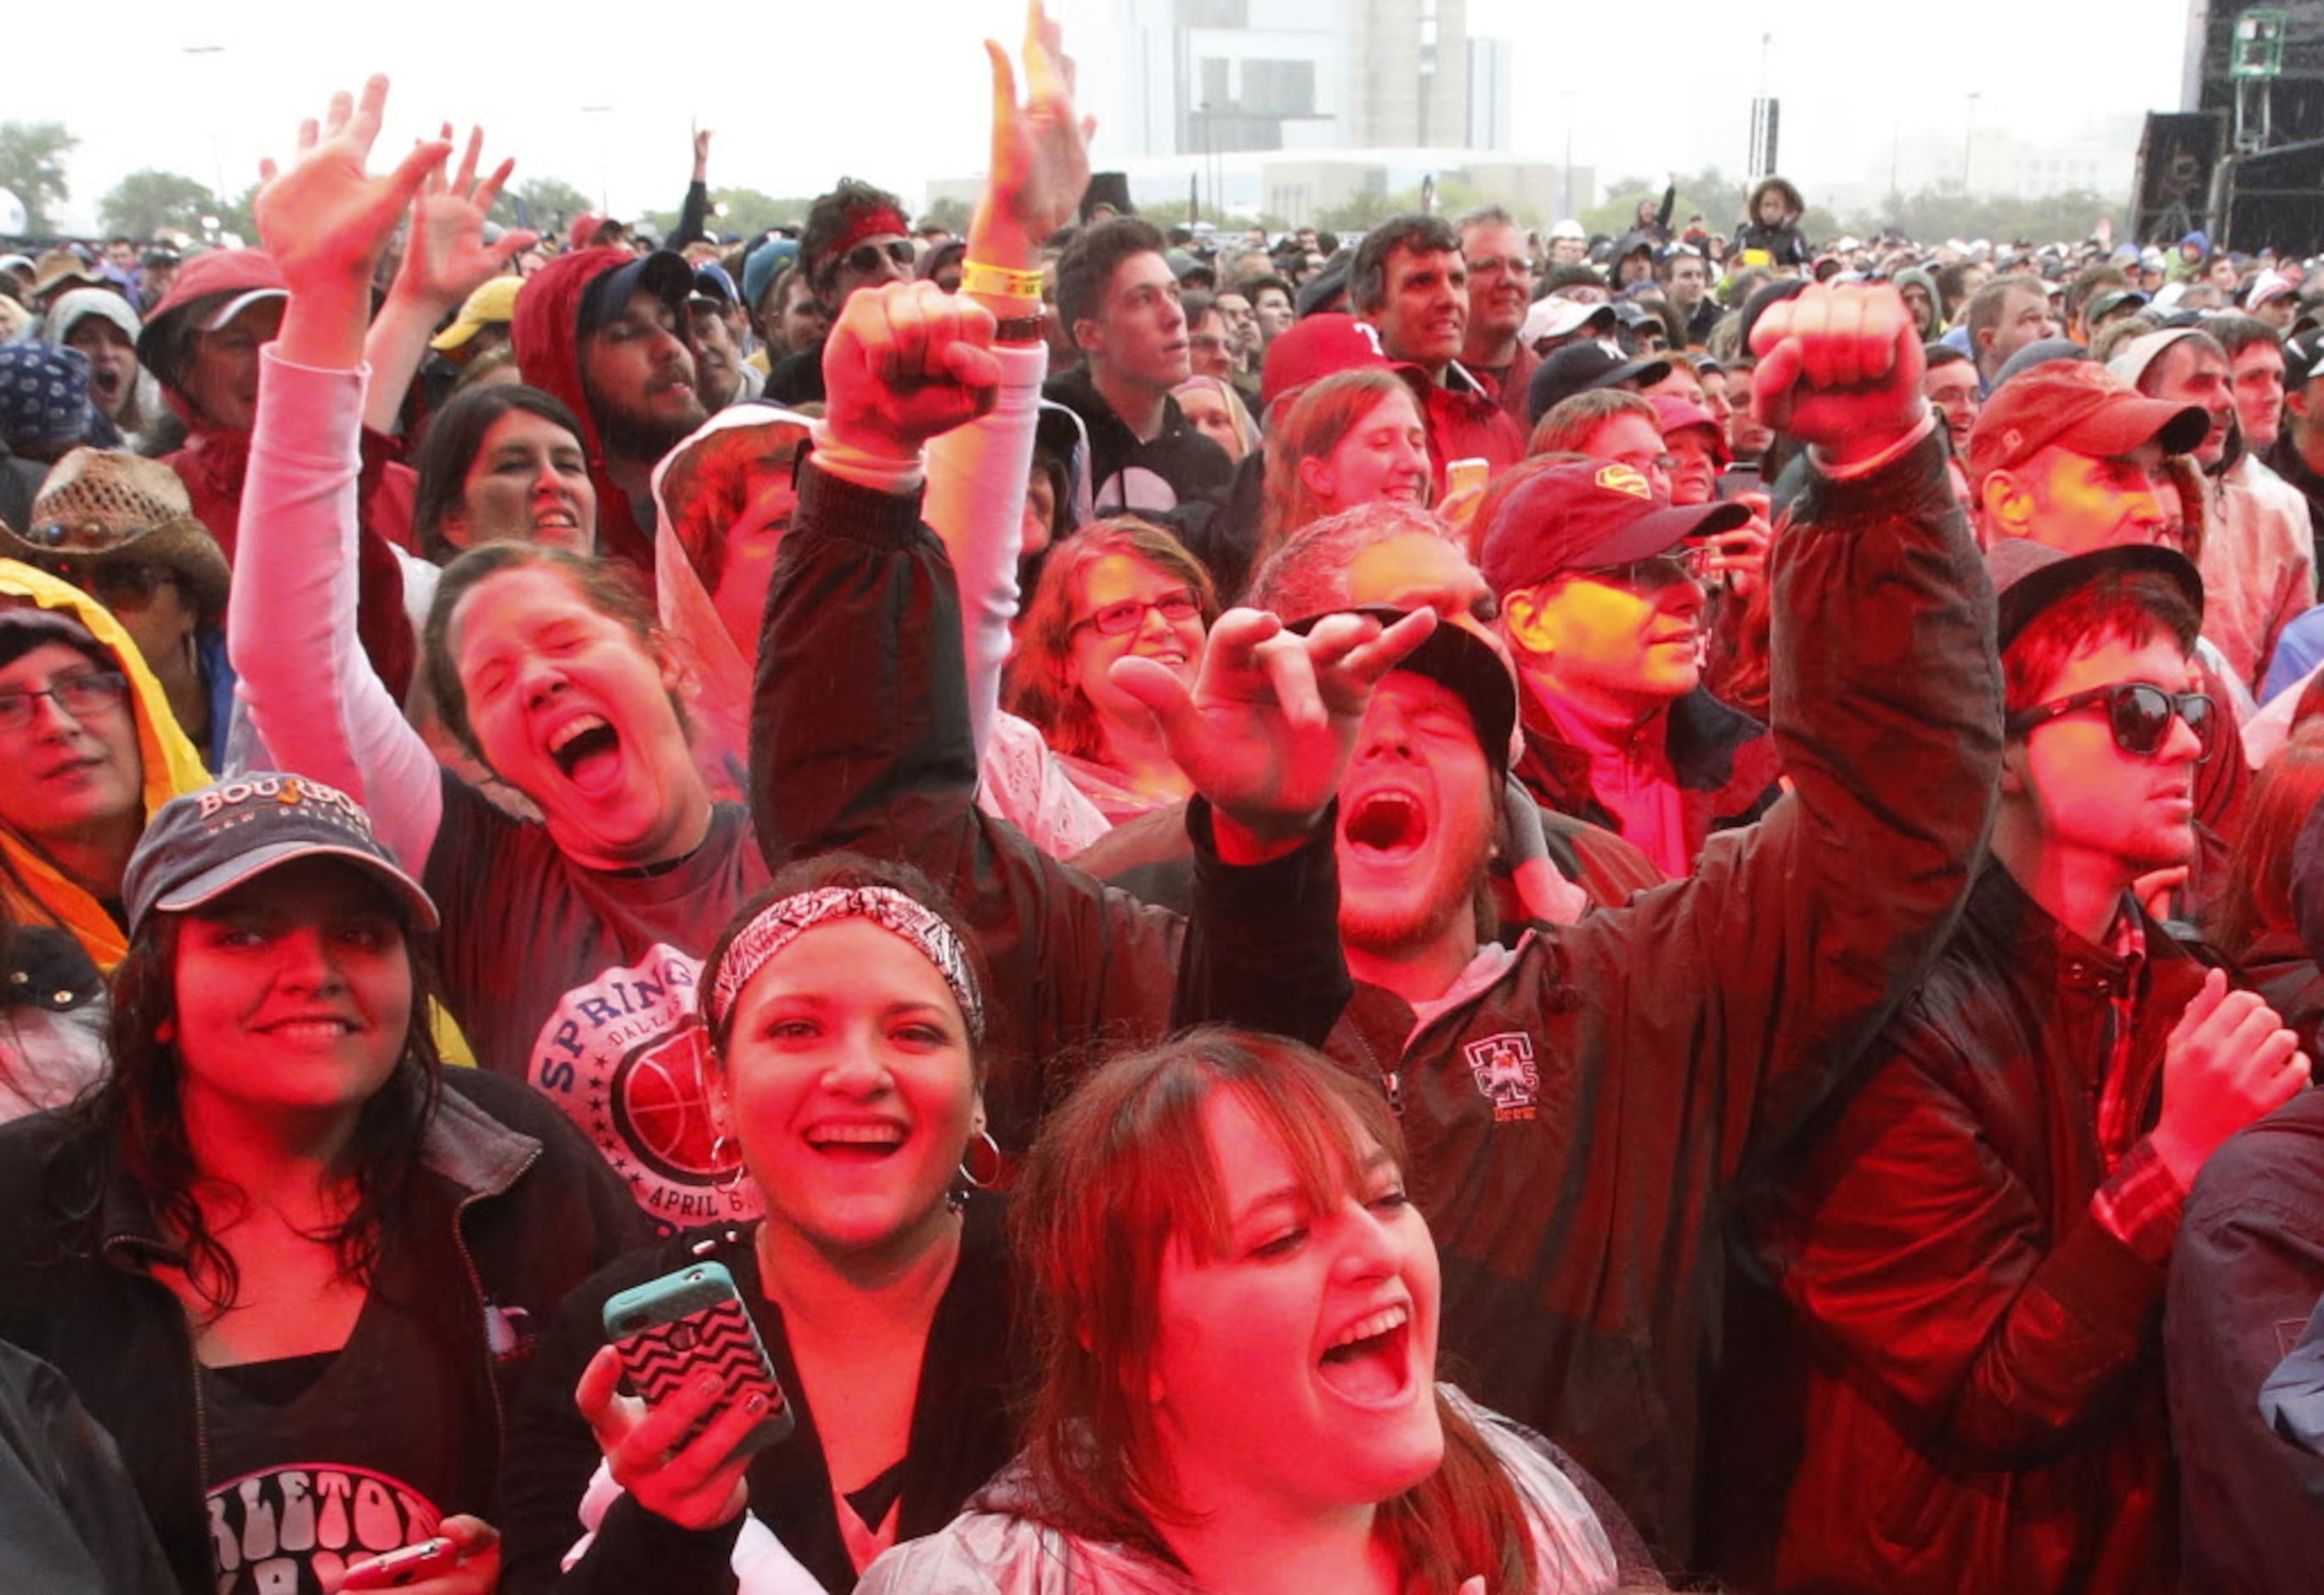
399,1570
1736,481
1466,473
667,1330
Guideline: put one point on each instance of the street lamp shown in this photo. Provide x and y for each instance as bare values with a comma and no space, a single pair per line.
604,188
1969,134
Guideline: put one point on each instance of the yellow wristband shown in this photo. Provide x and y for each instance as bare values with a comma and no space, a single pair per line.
999,281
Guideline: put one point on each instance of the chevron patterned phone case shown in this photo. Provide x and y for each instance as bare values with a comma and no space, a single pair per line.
667,1330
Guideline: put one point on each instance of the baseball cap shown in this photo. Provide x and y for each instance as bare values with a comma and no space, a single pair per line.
1588,516
1315,347
2108,303
492,305
1578,367
2028,577
2303,357
1466,664
2079,405
1674,411
207,842
1559,317
664,274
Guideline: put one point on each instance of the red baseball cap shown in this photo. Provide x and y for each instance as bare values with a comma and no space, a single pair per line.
1589,516
1315,348
2076,405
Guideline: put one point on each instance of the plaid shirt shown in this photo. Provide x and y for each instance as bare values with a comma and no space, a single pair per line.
2140,1202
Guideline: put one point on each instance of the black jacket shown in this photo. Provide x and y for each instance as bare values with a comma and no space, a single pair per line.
515,1207
964,1428
1984,1410
1575,1120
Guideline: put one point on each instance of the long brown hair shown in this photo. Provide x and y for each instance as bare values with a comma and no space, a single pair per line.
1310,427
1118,1172
2256,896
1039,686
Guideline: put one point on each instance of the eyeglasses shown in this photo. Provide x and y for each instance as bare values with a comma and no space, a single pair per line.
864,258
89,693
117,583
1119,620
2138,713
1689,562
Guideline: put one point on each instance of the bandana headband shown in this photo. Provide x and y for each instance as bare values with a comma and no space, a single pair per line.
780,923
867,223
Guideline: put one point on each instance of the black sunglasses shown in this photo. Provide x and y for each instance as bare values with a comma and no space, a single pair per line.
864,258
2138,713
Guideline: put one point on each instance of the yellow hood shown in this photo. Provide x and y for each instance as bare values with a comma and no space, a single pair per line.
36,889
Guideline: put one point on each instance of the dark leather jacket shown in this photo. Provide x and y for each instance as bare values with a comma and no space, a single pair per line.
515,1203
1984,1404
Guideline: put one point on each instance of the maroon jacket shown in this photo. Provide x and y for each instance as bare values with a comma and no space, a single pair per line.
546,335
1465,422
212,465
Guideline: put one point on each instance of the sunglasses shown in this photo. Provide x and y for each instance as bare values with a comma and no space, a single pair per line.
864,258
1119,620
2138,713
1689,562
117,583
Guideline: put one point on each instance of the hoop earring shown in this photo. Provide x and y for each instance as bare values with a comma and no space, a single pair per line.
968,1176
718,1154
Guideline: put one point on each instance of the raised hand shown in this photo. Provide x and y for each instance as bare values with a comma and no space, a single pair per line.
1266,731
1840,368
2229,1060
327,220
448,259
1040,149
906,361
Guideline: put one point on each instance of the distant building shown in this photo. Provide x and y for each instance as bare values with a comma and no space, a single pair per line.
1211,78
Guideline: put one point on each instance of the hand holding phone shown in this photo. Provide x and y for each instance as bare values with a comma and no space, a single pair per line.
711,1399
671,1329
399,1570
464,1558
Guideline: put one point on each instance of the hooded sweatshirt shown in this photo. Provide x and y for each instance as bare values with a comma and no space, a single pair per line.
37,892
546,334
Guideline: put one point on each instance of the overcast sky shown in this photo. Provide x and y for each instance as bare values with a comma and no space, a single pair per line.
798,92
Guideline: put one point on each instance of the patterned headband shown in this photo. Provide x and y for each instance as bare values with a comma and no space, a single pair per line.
780,923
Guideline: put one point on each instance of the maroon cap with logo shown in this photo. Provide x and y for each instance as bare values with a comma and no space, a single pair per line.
1589,516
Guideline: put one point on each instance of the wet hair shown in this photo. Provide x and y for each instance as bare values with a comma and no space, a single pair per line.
2133,607
2255,898
1039,686
1413,234
454,436
1318,418
134,1123
1091,260
707,482
843,869
1307,573
1122,1171
1569,424
605,585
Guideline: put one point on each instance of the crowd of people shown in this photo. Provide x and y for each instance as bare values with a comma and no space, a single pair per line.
1466,909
